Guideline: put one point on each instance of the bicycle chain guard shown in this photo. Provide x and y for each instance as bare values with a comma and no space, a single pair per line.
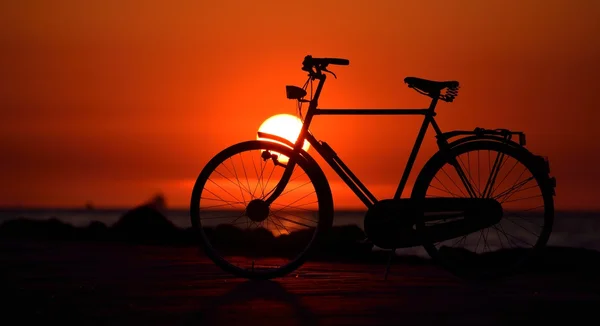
391,223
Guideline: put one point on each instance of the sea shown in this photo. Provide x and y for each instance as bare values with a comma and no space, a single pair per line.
579,229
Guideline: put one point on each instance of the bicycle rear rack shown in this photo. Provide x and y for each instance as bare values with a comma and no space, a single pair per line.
541,161
480,132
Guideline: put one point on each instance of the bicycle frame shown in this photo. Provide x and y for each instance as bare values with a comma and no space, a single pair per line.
329,155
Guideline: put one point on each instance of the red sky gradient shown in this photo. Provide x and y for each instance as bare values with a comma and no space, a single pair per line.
112,101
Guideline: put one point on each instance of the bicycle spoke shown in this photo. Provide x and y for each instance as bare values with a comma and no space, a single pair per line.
244,239
498,163
499,176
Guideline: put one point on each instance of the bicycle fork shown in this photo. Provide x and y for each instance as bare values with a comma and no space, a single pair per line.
285,178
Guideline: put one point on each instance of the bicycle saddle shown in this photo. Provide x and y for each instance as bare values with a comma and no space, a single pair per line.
434,88
429,86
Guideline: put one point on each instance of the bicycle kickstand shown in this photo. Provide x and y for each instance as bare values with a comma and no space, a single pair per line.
387,268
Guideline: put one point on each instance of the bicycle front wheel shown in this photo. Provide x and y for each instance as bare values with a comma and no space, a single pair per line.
238,230
490,169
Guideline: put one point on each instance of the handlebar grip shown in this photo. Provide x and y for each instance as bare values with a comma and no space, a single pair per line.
337,61
309,61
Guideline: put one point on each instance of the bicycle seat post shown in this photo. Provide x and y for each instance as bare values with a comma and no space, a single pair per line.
434,102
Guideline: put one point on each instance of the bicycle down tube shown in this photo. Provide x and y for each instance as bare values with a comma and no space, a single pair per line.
344,172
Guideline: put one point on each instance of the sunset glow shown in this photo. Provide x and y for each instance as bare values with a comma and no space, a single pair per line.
111,102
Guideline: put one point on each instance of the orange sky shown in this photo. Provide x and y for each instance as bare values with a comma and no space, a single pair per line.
112,101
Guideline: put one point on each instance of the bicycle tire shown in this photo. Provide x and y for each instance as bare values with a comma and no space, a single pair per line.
521,155
303,161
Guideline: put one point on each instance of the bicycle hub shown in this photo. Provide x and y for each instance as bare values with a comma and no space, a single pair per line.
257,210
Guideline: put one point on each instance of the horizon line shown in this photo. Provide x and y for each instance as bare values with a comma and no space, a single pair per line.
181,208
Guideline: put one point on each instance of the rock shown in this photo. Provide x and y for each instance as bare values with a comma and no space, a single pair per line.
146,224
95,231
38,229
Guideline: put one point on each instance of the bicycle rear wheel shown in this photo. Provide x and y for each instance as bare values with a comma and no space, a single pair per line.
243,235
509,174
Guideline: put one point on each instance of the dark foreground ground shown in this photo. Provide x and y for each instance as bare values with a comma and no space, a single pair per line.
120,284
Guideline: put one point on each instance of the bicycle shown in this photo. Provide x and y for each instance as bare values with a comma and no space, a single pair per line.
426,219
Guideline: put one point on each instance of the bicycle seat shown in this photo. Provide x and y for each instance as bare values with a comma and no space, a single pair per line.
430,87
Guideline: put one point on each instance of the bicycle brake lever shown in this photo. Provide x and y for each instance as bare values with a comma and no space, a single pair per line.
331,72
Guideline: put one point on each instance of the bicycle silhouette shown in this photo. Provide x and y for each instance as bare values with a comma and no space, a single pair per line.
253,220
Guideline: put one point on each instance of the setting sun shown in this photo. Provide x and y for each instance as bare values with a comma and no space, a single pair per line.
283,125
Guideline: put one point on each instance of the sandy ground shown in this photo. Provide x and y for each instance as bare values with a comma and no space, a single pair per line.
118,284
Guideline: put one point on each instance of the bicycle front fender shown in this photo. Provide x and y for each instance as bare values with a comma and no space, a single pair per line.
289,144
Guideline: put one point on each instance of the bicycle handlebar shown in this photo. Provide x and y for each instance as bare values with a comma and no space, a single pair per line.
321,63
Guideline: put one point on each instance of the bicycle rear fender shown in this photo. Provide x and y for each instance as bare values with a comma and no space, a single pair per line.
504,136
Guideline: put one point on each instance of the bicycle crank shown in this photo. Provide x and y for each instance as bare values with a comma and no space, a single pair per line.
392,223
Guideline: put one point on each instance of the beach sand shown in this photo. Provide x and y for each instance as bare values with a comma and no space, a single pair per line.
88,283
